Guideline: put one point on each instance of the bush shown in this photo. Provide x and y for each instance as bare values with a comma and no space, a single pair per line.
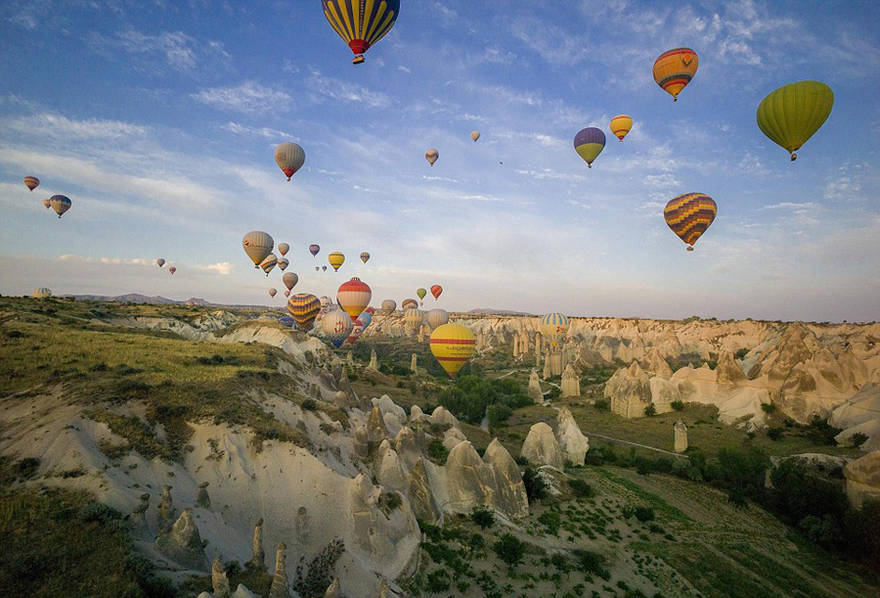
437,581
677,405
436,451
309,404
497,414
591,563
536,488
650,410
601,404
551,521
580,488
775,433
768,408
471,396
509,549
821,432
858,439
483,517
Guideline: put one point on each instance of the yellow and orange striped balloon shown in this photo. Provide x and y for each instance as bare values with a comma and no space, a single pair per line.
336,259
621,125
674,69
304,307
689,216
453,345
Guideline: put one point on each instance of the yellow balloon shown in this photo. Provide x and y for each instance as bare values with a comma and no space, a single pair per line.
453,345
336,259
620,125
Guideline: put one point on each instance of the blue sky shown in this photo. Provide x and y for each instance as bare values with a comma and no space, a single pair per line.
158,119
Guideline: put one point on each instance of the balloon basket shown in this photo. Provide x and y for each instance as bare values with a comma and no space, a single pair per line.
358,59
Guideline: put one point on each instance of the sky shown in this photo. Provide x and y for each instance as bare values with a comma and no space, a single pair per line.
158,119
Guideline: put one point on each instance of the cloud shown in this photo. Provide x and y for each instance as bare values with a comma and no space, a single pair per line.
178,50
248,97
221,268
56,126
403,69
344,91
69,257
266,132
552,43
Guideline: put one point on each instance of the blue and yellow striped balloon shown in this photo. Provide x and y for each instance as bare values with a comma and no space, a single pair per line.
589,143
361,23
689,216
554,326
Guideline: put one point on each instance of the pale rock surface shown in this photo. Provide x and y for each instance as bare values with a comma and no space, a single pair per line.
390,471
421,495
182,543
386,405
407,447
680,440
219,581
571,384
258,558
469,481
859,414
511,498
280,587
657,364
333,589
374,365
303,526
548,371
166,512
442,415
863,479
452,437
629,390
414,364
535,392
572,442
663,393
416,414
376,431
540,447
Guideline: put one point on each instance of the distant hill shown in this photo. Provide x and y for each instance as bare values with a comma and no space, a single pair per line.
498,312
159,300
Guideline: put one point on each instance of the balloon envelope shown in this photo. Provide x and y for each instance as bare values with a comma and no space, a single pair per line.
689,215
336,326
60,203
283,248
554,326
674,69
475,135
286,321
436,289
31,182
413,317
269,263
272,292
290,279
437,317
47,203
431,156
257,245
421,293
314,249
388,307
790,115
408,303
365,257
289,157
336,259
365,318
172,269
283,263
620,125
303,307
453,345
361,24
354,296
589,143
160,262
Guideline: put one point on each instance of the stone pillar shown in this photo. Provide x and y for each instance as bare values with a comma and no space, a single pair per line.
556,363
547,372
202,499
332,590
258,560
681,437
349,358
515,347
571,384
374,362
535,392
280,587
219,581
413,364
537,343
138,515
166,510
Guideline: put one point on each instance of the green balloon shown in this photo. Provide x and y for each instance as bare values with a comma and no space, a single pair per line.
790,115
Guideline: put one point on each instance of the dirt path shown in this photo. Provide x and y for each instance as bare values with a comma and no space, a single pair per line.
644,446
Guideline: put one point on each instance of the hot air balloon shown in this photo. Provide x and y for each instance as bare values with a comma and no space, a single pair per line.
408,303
283,248
436,289
437,317
283,263
317,268
290,279
41,293
336,326
336,259
287,293
365,318
324,268
431,156
621,125
257,245
554,326
47,203
413,318
589,143
365,257
475,135
452,345
689,216
790,115
269,263
286,321
388,307
289,157
674,69
314,248
421,293
361,24
60,203
272,292
326,303
303,307
354,296
172,270
160,262
31,182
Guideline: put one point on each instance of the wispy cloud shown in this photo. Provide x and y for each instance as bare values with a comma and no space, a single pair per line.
344,91
69,257
56,126
221,268
176,49
248,97
266,132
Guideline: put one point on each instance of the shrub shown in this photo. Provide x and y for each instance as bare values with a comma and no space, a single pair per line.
591,563
677,405
436,451
483,517
644,514
536,488
580,488
741,353
498,413
650,410
821,432
509,549
309,404
858,439
768,408
775,433
551,521
471,396
438,581
601,404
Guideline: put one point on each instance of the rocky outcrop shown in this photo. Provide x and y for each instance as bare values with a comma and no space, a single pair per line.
571,384
859,414
442,415
680,437
572,442
376,431
374,365
469,481
166,512
863,479
629,390
332,590
420,494
280,587
202,498
407,446
511,498
303,526
219,581
452,437
541,448
258,558
182,543
657,365
389,469
535,392
728,373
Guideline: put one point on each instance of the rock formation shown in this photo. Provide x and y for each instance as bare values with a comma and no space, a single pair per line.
420,494
376,431
303,526
258,558
573,444
860,414
540,447
182,543
629,390
556,362
333,589
166,512
470,482
657,364
407,447
202,498
863,479
442,415
280,587
511,498
389,470
413,364
535,392
219,581
680,433
547,371
452,437
571,384
374,365
139,513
